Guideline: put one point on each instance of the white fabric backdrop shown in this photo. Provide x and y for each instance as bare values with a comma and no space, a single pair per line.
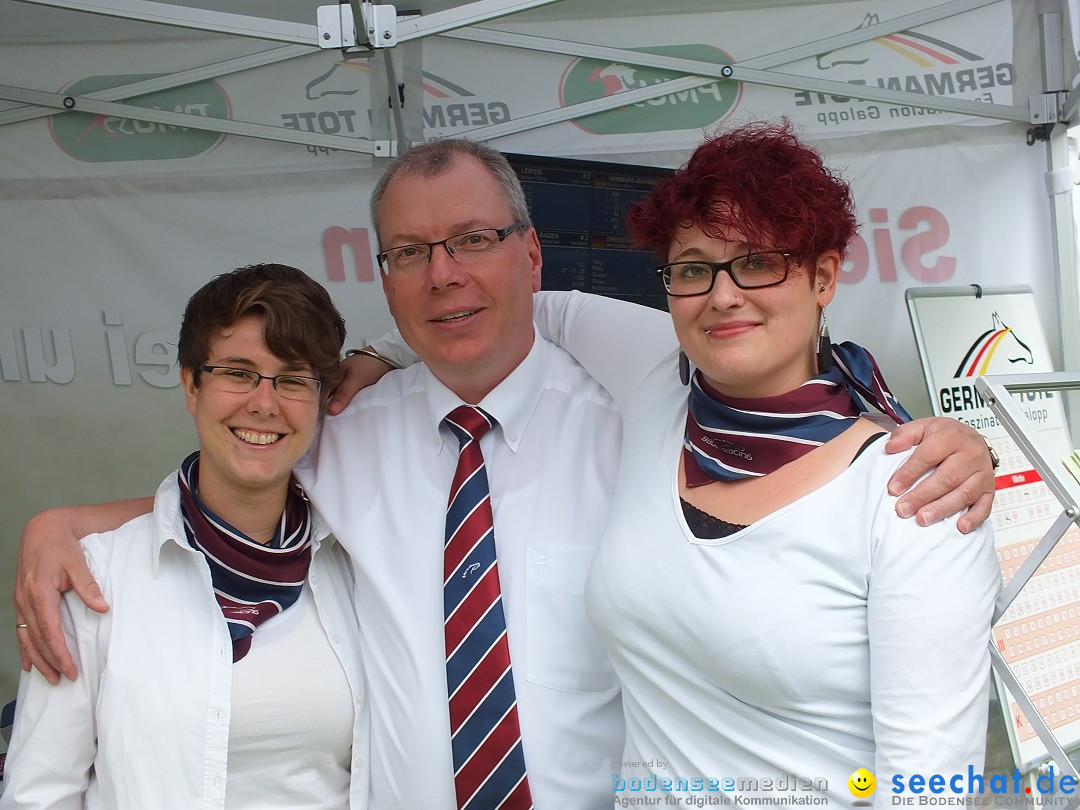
107,227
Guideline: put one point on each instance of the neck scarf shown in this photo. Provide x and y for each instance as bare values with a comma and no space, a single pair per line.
728,439
252,581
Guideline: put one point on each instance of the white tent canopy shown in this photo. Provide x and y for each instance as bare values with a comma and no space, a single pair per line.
807,51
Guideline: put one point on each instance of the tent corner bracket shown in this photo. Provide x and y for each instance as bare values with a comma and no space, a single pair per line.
356,25
1040,132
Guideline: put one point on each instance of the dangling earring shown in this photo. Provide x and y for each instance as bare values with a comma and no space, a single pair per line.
684,368
824,347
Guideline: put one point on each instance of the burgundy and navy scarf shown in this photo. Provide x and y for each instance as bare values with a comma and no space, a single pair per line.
728,439
252,581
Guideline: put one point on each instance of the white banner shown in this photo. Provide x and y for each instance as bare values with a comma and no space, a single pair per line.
109,225
467,86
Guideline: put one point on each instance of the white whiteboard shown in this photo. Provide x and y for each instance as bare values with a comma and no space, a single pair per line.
963,333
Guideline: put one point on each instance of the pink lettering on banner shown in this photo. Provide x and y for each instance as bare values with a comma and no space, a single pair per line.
920,230
883,245
928,240
334,242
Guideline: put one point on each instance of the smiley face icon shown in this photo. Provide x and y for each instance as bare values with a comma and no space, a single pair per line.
861,783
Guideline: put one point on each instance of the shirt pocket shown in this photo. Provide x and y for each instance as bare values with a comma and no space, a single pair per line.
564,652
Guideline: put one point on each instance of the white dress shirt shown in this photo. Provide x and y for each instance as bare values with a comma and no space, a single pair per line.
147,722
381,475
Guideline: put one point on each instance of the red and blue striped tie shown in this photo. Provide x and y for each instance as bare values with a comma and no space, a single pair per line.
489,765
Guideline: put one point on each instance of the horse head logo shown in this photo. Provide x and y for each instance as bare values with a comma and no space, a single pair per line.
829,60
615,78
341,79
1000,341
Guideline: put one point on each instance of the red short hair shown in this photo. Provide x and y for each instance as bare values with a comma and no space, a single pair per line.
758,180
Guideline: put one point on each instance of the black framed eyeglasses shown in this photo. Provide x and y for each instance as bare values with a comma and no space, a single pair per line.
750,272
464,247
244,381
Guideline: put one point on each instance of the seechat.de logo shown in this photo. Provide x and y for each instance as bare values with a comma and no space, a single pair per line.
590,79
108,139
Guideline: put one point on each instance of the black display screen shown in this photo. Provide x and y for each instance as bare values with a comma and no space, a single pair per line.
579,210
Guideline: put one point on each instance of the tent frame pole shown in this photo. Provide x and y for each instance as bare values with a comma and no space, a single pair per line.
1062,223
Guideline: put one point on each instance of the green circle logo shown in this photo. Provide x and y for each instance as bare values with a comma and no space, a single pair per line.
698,107
109,139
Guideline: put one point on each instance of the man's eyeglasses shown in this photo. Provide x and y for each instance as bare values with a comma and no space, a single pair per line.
465,247
244,381
749,272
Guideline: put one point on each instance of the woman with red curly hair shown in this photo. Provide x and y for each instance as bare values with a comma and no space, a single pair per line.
774,624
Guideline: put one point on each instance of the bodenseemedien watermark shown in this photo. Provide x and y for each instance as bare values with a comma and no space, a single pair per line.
658,790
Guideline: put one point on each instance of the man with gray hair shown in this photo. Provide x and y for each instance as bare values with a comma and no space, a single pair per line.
487,681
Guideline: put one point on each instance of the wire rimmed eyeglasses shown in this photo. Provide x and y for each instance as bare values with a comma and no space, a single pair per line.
464,247
750,272
244,381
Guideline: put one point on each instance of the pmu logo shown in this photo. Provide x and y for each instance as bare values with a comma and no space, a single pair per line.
108,139
590,79
999,341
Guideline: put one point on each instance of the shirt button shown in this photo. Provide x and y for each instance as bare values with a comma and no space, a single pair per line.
513,437
336,638
314,579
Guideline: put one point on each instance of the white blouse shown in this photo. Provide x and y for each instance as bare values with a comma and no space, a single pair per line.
150,720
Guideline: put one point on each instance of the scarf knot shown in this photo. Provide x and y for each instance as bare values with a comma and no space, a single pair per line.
252,581
728,438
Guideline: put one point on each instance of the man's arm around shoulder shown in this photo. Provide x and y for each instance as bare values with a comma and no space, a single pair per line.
50,563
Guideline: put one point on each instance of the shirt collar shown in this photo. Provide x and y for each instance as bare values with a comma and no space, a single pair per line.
511,402
169,523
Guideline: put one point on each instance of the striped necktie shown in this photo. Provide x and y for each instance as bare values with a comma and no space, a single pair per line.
489,765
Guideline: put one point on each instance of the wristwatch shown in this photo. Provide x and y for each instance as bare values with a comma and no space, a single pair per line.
995,459
370,352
